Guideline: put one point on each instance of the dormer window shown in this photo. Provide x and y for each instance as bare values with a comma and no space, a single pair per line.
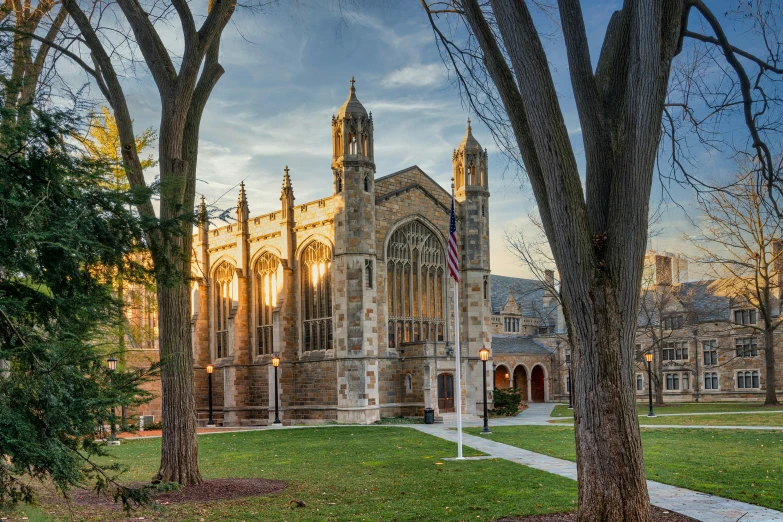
747,316
673,322
511,324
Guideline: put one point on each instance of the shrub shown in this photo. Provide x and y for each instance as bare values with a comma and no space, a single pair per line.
506,402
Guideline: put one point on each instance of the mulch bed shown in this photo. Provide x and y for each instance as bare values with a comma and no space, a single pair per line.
658,515
211,489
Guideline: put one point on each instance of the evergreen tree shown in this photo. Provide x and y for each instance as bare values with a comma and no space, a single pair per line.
63,233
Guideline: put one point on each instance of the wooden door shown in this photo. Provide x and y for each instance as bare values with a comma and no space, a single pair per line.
445,392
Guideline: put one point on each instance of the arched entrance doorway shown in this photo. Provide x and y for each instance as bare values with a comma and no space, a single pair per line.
537,389
520,381
502,377
445,392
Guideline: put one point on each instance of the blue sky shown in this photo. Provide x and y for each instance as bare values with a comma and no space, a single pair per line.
287,72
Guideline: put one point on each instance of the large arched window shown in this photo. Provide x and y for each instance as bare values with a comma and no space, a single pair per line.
415,268
223,298
266,298
316,268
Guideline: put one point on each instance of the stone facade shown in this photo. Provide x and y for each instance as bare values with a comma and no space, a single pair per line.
350,290
701,349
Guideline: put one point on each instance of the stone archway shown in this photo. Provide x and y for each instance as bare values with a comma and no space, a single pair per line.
520,381
537,384
502,377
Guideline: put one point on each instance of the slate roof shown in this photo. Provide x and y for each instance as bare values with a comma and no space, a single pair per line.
528,293
699,300
518,345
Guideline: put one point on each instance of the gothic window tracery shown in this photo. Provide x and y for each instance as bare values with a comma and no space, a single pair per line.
316,264
266,298
223,299
414,285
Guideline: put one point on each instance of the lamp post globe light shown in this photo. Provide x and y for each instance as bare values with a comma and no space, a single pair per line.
649,357
276,363
111,362
484,356
210,369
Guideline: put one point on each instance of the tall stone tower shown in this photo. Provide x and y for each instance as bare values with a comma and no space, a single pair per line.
355,298
469,163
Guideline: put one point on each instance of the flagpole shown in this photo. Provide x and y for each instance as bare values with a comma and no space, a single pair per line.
457,353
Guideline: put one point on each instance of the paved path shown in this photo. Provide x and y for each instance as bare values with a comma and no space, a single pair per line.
700,506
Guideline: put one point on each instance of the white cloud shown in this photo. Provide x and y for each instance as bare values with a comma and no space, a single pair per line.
417,76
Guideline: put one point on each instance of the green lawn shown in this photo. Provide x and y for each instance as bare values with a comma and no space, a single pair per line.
561,410
745,419
743,465
362,473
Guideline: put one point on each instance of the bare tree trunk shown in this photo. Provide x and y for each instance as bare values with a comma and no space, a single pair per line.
769,361
612,483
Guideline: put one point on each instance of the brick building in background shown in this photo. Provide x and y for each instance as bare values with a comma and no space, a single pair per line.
705,344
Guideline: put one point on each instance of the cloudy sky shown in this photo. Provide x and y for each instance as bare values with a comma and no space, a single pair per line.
287,72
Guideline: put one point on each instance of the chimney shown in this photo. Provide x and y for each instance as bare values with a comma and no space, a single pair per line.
549,276
663,270
777,267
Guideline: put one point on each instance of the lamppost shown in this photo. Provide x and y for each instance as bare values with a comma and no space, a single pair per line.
570,387
210,369
484,355
276,363
112,364
649,357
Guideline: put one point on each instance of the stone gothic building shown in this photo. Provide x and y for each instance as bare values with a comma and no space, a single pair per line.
351,290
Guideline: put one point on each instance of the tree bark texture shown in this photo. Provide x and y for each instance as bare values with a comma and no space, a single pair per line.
771,397
598,235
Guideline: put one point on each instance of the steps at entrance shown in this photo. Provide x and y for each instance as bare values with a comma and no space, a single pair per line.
438,419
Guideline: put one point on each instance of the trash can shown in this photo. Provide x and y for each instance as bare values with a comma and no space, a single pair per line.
429,416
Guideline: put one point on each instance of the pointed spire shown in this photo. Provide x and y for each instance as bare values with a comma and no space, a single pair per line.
352,105
469,142
287,194
242,198
203,219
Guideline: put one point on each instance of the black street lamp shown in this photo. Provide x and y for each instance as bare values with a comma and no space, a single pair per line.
570,387
484,355
649,357
112,364
276,363
210,369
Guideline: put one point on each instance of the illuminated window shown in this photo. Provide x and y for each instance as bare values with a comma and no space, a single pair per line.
316,266
223,298
266,297
414,283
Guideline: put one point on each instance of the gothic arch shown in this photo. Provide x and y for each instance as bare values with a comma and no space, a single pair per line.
224,293
521,380
301,245
315,276
502,376
416,275
407,219
539,387
266,287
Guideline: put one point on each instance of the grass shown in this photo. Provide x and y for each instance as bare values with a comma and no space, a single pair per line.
747,419
354,473
561,410
742,465
774,419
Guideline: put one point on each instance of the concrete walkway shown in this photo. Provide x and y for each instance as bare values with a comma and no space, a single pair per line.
708,508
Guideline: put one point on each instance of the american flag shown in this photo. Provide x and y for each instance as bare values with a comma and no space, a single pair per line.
453,251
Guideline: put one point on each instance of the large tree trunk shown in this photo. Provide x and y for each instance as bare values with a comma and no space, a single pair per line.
171,253
769,360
